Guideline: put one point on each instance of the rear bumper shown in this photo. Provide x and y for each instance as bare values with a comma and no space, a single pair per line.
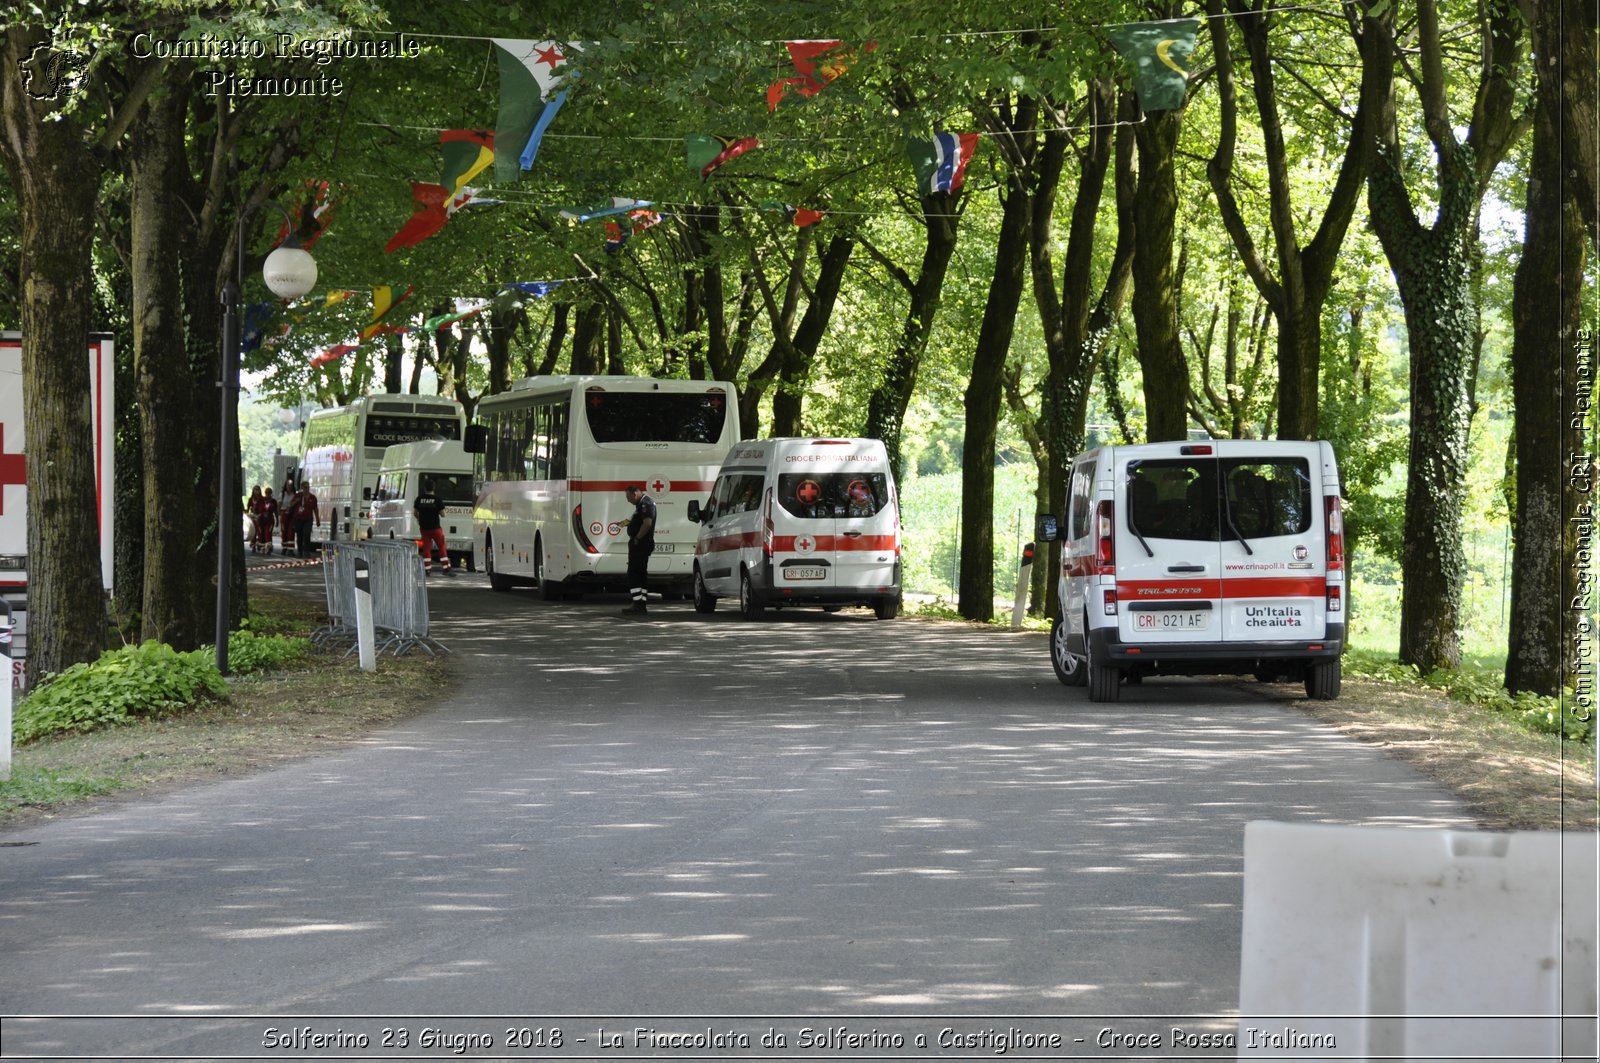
1213,657
763,583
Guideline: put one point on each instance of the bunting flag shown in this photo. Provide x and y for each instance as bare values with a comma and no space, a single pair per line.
432,210
467,153
537,289
333,354
799,217
617,233
1160,53
603,209
818,63
707,152
533,75
316,211
256,318
383,304
338,295
465,308
941,163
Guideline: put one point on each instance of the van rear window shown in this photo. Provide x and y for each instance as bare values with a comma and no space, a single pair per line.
1178,498
816,496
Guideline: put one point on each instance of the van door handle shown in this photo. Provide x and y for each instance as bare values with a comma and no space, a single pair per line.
853,534
1186,568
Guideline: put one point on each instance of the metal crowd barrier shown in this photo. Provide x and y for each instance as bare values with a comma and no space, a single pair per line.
399,595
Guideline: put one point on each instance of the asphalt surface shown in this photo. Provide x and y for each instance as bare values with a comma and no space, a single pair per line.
822,820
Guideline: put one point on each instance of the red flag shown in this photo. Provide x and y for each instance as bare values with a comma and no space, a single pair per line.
818,62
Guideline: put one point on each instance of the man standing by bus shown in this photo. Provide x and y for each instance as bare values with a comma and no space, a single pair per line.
429,511
306,513
641,544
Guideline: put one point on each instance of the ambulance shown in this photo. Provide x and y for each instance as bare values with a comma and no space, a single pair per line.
1201,557
800,521
400,477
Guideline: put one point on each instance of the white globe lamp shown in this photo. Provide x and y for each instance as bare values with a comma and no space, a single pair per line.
290,272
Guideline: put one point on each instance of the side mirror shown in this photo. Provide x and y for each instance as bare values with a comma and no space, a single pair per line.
1046,529
694,510
476,441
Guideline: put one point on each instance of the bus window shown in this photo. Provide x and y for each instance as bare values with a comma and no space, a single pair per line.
655,416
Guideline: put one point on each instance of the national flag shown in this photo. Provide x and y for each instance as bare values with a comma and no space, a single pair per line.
605,208
338,295
467,153
818,62
464,308
537,289
941,163
316,211
1160,51
707,152
617,232
799,217
383,304
333,354
533,76
256,318
429,214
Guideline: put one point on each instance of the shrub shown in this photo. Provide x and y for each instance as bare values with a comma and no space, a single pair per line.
144,680
250,652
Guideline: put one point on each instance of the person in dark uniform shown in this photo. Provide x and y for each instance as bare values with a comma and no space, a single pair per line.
641,544
429,511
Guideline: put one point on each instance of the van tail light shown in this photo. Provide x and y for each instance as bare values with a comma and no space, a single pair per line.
1111,601
1335,599
1105,551
1335,534
766,526
578,533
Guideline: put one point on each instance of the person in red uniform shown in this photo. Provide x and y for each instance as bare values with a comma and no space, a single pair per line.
429,510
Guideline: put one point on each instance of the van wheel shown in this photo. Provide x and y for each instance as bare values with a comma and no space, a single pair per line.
497,582
704,600
886,608
750,604
1322,680
1105,680
1069,669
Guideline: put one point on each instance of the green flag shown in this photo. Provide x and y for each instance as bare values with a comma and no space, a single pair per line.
1160,51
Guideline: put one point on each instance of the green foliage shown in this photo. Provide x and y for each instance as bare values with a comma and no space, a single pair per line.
250,652
1483,688
145,680
930,513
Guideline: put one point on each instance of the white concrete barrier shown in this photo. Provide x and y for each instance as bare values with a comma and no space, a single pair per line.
1388,943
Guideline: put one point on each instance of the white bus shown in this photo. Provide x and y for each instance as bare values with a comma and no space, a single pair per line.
558,451
341,451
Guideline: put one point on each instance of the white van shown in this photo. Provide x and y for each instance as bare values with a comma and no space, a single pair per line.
795,521
1225,556
405,466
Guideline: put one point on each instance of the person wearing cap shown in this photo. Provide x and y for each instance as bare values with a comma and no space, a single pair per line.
429,510
641,544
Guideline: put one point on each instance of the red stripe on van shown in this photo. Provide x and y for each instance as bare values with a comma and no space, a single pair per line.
837,543
1231,587
718,543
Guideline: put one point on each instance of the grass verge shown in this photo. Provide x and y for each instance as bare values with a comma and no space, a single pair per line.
312,704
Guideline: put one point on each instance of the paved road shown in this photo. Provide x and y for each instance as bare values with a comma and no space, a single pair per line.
823,814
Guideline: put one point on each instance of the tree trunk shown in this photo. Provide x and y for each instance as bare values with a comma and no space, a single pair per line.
1166,375
1547,313
178,602
985,386
586,339
886,407
801,353
55,180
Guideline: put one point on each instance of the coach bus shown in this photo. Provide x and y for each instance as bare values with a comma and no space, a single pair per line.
341,451
554,455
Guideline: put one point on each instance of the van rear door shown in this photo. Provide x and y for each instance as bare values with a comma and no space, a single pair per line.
1168,553
804,559
1273,546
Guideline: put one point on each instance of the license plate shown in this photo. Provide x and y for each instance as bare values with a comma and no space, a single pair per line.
664,548
1172,620
804,573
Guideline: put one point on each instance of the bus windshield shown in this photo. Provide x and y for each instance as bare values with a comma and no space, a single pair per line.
656,416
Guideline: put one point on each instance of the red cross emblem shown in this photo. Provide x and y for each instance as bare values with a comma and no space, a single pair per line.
658,486
13,470
805,544
808,491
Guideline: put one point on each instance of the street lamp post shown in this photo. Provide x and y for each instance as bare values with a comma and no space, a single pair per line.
290,272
